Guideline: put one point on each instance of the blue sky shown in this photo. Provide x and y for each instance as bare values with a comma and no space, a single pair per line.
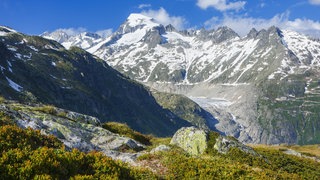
37,16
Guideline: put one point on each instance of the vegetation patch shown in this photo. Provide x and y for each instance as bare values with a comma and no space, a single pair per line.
48,109
125,130
26,154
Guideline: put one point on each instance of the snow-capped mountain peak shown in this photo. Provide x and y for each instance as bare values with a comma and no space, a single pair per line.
85,40
150,52
135,19
58,35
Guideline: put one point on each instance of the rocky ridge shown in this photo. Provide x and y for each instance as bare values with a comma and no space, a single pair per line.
75,130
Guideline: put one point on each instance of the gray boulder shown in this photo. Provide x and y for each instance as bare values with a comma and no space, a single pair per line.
193,140
224,144
160,148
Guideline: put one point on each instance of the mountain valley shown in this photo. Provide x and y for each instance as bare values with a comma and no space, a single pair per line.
152,102
261,88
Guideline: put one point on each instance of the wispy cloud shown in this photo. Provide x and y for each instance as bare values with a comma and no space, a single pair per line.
221,5
142,6
76,31
314,2
104,33
262,5
242,25
72,31
163,17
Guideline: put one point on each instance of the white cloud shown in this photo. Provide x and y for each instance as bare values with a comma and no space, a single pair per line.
221,5
314,2
142,6
76,31
72,31
162,17
242,25
104,33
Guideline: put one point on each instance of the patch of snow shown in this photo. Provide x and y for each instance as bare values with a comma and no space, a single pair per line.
21,42
2,68
9,66
53,76
96,47
131,38
67,45
48,37
14,85
50,47
9,29
28,56
12,49
9,63
18,55
271,76
33,48
2,33
266,52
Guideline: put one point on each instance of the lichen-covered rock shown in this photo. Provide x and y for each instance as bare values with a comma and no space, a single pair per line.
224,144
75,131
193,140
160,148
83,118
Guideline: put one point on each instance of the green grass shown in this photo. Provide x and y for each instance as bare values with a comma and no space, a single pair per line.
125,130
27,154
49,109
2,99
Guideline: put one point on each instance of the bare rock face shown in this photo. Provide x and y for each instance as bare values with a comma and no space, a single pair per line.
193,140
224,144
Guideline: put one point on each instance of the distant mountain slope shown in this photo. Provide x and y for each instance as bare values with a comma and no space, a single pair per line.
34,69
262,88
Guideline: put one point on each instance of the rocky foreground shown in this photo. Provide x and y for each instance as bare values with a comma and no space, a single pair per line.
80,146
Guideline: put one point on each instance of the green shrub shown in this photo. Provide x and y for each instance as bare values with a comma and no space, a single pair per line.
49,109
26,154
62,114
5,119
12,137
125,130
2,99
212,136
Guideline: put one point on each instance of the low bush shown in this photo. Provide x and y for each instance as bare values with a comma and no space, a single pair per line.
26,154
49,109
125,130
2,99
